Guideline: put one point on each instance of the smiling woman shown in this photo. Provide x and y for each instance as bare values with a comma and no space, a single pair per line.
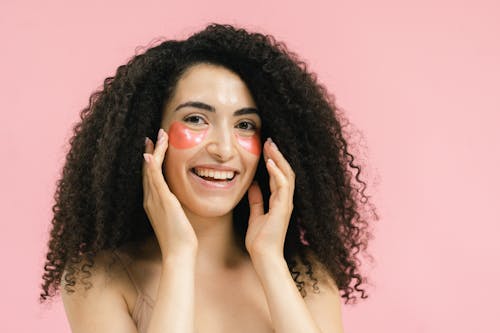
209,138
209,188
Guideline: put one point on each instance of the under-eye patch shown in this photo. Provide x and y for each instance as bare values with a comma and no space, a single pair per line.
181,137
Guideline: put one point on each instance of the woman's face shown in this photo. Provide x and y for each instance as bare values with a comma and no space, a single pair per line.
214,140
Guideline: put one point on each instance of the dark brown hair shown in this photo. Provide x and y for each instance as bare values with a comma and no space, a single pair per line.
98,201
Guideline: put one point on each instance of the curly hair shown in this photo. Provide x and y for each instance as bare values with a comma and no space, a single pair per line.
98,200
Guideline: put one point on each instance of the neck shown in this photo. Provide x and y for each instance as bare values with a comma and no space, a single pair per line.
217,246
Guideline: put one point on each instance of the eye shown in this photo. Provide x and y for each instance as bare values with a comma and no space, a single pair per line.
246,125
195,119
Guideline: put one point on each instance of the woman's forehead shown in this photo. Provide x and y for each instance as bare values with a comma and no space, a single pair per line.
205,81
211,85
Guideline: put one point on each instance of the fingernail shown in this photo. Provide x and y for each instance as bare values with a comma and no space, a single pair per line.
147,157
272,143
161,134
146,141
270,161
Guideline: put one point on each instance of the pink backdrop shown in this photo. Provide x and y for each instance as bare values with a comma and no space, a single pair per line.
420,80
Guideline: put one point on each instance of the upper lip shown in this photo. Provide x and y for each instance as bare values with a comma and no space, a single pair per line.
216,167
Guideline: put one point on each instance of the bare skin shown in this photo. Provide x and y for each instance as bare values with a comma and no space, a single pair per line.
233,296
200,279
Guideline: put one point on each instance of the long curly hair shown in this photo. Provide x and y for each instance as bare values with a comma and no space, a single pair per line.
99,198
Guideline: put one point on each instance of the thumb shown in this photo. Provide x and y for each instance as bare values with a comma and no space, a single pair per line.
255,200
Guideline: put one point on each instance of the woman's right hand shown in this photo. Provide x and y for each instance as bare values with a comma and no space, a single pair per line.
173,230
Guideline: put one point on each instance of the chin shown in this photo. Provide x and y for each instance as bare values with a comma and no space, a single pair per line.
210,209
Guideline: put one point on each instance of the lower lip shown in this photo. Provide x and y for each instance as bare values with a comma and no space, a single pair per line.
213,185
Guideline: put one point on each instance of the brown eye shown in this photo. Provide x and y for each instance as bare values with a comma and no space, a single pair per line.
246,125
196,120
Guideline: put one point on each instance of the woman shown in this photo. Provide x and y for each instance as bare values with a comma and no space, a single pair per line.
245,200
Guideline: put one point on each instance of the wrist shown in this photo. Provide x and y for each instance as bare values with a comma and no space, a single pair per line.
181,258
263,254
267,259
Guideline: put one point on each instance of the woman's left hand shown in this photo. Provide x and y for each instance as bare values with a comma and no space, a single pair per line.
266,232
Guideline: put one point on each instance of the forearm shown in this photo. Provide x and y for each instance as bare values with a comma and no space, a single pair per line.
288,310
174,308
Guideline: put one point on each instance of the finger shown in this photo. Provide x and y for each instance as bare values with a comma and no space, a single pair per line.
161,146
154,182
149,146
153,174
274,153
272,181
283,202
255,200
148,149
280,181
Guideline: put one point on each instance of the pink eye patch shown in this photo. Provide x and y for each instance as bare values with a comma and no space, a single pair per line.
181,137
250,143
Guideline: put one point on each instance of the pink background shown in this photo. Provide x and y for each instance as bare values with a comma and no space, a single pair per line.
419,79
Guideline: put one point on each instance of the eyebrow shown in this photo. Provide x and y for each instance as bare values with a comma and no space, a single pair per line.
201,105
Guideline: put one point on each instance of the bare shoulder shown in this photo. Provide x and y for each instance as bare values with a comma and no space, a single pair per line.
97,303
322,277
325,305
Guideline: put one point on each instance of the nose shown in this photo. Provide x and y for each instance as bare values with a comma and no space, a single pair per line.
221,144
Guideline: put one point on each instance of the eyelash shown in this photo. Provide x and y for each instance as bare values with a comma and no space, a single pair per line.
191,117
254,127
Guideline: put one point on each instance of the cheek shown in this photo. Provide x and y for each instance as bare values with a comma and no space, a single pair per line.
174,168
251,143
182,137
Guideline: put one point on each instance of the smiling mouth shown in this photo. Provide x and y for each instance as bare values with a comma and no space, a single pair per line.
212,179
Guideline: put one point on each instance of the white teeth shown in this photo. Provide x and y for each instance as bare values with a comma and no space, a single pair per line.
214,174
